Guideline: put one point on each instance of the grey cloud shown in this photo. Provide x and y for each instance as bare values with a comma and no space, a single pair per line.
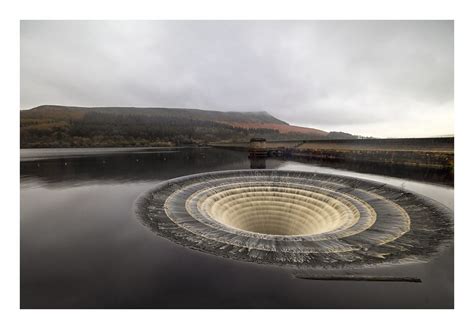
356,75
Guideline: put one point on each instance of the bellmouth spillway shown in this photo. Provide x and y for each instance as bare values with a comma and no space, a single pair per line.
296,218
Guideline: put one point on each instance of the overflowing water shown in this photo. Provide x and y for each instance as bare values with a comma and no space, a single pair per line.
297,218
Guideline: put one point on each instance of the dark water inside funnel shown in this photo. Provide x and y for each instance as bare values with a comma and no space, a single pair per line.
81,248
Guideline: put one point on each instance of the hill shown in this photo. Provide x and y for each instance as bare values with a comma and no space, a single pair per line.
67,126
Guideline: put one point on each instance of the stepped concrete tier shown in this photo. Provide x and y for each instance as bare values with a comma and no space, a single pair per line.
296,218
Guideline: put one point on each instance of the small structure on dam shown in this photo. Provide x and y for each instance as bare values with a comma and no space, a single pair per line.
296,218
257,148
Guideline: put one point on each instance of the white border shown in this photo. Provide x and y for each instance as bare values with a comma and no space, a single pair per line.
242,9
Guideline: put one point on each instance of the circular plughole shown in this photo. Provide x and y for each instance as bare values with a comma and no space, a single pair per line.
296,218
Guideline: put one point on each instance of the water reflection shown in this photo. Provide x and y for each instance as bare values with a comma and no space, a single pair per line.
258,163
443,176
153,165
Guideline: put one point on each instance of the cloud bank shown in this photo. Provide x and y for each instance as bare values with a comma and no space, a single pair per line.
379,78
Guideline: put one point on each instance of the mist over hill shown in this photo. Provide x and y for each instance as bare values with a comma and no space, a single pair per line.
68,126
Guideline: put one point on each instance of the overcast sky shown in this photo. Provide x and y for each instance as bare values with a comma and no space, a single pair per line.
377,78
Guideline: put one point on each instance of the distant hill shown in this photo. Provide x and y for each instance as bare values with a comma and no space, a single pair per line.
67,126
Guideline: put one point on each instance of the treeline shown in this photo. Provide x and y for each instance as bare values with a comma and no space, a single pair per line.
96,129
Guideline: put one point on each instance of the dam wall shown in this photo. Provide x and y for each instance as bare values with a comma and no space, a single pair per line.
420,152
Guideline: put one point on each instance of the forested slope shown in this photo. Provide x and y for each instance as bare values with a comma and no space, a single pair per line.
61,126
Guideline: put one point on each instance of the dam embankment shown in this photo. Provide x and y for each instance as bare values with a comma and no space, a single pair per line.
415,152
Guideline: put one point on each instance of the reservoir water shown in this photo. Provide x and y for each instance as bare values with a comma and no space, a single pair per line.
80,246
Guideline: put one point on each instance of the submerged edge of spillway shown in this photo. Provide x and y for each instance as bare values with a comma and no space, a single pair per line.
296,218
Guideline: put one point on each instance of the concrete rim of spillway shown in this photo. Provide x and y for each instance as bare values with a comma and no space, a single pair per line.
296,218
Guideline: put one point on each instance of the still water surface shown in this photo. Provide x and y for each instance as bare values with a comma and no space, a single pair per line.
82,248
